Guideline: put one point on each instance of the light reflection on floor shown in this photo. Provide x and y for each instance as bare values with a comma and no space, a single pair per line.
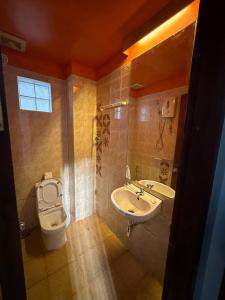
92,265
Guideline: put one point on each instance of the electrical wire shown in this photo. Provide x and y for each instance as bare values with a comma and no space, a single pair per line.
160,143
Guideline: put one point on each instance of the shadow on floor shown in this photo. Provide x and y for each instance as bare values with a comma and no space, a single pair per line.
93,264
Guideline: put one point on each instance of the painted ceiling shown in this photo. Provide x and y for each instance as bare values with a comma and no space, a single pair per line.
89,32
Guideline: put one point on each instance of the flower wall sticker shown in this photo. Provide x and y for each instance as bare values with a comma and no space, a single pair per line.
103,137
106,124
164,168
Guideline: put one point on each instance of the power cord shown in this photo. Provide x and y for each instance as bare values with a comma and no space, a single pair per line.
160,143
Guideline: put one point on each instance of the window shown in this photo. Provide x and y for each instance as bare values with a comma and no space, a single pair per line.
34,95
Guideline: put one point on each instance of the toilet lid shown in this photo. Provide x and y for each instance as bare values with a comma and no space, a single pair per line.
49,193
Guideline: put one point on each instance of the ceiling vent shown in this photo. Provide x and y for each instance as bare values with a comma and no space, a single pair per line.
136,86
10,41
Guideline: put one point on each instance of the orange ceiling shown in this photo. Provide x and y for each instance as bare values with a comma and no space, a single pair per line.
170,59
89,32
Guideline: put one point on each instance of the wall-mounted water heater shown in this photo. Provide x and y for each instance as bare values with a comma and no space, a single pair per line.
169,107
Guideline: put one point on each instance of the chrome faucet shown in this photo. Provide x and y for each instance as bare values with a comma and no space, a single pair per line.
141,192
150,186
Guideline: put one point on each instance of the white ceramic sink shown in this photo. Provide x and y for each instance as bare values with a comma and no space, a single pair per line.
135,208
163,191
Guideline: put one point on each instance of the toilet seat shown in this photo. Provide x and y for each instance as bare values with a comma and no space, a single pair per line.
49,194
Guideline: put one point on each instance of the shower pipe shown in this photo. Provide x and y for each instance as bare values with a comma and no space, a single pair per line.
114,105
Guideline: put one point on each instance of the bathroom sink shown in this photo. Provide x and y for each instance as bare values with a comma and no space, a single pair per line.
134,207
160,190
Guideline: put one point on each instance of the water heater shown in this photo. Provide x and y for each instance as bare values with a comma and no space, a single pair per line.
169,107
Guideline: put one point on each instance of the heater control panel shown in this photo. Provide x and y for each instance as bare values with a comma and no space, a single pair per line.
169,107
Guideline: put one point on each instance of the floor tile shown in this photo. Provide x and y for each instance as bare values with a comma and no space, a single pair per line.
100,230
92,221
113,248
148,288
35,270
128,269
58,258
93,265
32,245
83,294
80,238
62,284
102,287
39,291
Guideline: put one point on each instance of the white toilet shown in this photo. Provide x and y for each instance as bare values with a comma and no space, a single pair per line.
51,214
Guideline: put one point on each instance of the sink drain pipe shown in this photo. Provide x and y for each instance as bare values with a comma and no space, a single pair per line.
130,226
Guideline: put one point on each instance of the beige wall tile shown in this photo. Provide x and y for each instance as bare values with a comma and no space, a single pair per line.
61,142
133,135
144,147
84,115
36,140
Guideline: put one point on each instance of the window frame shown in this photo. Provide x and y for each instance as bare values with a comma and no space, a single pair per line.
35,83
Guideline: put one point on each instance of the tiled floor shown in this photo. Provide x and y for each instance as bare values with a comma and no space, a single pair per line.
92,265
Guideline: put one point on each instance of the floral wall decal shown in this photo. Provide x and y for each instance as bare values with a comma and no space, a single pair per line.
103,137
106,124
164,168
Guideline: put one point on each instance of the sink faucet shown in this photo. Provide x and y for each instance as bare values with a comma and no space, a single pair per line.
150,186
141,192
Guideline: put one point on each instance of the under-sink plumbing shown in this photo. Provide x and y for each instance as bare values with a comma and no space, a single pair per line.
130,226
136,204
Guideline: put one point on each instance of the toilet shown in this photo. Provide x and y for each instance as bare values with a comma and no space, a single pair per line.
51,214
